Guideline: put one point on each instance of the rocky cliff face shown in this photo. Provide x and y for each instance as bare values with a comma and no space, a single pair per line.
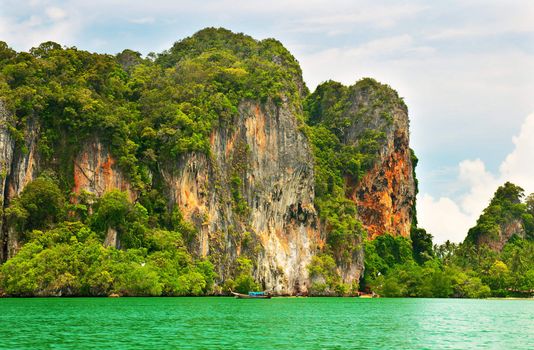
360,135
504,217
6,158
386,194
503,234
96,171
252,193
254,196
18,166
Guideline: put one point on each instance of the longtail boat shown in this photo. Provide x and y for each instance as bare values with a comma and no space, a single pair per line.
252,295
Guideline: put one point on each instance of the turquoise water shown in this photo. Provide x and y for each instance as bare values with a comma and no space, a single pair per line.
279,323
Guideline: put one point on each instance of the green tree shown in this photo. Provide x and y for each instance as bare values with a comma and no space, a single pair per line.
497,278
244,282
325,278
115,211
421,245
40,204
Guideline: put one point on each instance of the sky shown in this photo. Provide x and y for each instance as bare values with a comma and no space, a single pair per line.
465,69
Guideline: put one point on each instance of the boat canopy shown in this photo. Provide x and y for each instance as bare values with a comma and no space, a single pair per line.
255,293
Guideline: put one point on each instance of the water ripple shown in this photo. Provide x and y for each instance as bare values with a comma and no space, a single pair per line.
279,323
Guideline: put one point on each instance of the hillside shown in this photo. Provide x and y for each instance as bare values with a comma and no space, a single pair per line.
207,167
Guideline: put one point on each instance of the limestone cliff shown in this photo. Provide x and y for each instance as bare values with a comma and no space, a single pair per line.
18,166
6,159
502,235
216,129
505,216
96,171
386,194
253,196
360,135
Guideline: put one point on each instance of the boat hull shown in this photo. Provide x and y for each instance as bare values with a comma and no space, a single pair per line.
246,296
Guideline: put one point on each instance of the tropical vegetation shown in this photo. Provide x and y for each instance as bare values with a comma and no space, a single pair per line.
152,110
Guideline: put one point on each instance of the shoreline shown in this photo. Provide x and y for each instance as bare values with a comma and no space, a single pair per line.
232,297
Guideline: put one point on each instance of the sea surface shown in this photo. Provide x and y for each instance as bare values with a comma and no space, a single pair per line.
279,323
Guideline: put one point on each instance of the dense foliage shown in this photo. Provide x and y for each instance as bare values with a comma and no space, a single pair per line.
472,269
66,256
70,260
40,205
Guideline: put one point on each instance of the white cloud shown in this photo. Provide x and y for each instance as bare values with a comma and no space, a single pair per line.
41,23
142,20
55,13
481,184
382,58
519,165
382,16
449,219
506,17
443,218
382,46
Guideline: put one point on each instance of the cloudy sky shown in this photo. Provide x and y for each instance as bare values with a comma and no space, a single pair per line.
465,69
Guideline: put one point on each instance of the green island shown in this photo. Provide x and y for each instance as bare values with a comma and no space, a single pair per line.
190,109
